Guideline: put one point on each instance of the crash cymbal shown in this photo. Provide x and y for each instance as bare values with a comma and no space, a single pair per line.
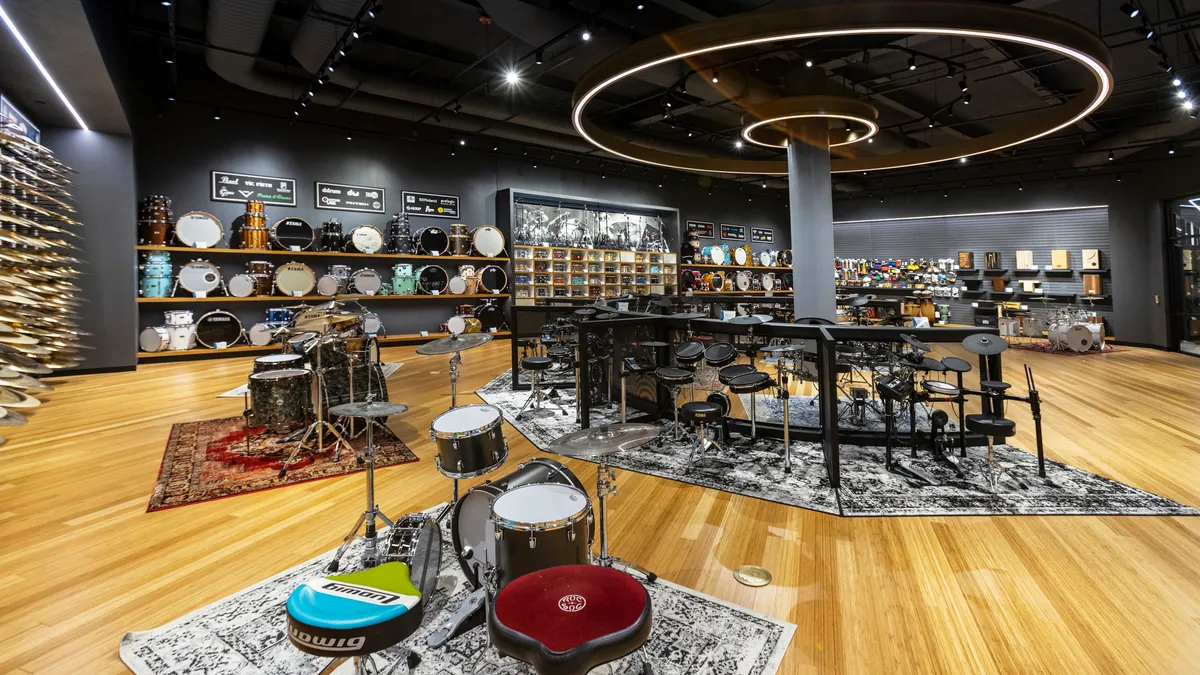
752,320
23,364
8,373
603,441
35,350
59,364
916,344
984,345
13,419
454,343
315,320
689,315
25,382
12,398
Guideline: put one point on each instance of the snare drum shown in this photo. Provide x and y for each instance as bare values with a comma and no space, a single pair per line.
200,277
278,362
488,241
280,400
431,280
433,241
469,440
295,279
218,329
261,334
293,234
457,285
199,230
242,285
492,279
263,273
154,339
538,526
366,239
366,282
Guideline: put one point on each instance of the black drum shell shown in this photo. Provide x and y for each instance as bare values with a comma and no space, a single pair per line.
293,232
434,241
281,404
489,315
721,399
431,278
470,456
261,366
218,326
554,547
365,375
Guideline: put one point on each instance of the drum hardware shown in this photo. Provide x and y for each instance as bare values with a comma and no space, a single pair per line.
370,411
454,344
320,424
365,239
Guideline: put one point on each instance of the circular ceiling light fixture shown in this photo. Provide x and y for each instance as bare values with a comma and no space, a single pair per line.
769,128
860,18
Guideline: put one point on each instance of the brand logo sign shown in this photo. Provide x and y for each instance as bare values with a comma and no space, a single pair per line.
572,602
330,644
374,596
341,197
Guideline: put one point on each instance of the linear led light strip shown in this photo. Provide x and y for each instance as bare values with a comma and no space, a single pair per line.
1101,74
12,27
965,215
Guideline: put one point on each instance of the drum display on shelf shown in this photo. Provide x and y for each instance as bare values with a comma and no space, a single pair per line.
717,255
280,316
295,279
269,362
280,400
177,317
372,325
263,273
492,279
154,339
253,233
181,337
457,285
787,281
431,280
766,259
768,281
332,238
742,281
756,281
242,285
154,220
433,241
488,241
218,329
366,282
741,255
470,440
199,277
399,235
293,234
718,282
490,316
688,280
156,275
785,258
199,230
337,281
366,239
537,523
467,272
261,334
403,282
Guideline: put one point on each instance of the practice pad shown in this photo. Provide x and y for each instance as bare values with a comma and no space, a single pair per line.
454,343
368,409
602,441
984,345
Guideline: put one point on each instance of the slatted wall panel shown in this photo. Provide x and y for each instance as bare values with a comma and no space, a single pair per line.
1040,232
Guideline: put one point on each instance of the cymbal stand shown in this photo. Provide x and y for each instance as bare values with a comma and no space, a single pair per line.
371,556
320,423
781,374
606,486
370,396
454,361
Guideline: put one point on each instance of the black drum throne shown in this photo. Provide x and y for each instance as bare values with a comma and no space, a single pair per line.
536,365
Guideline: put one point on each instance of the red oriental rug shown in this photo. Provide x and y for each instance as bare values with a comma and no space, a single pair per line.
210,459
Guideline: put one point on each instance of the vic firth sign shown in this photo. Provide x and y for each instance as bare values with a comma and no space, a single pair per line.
361,198
427,204
243,187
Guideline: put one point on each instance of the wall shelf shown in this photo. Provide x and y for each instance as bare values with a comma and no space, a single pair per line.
319,254
320,298
734,266
242,350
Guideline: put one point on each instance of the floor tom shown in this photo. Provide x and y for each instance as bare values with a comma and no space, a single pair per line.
538,526
280,400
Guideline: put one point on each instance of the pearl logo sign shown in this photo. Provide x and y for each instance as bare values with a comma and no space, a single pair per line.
359,198
240,187
572,603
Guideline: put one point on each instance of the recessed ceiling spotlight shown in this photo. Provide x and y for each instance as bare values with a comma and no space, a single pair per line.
966,99
912,63
1146,32
1130,10
1180,94
962,85
1171,150
512,77
714,76
962,160
349,136
1020,186
871,140
640,6
929,121
217,113
354,34
808,63
1177,82
462,141
587,34
1111,156
945,193
1165,66
537,57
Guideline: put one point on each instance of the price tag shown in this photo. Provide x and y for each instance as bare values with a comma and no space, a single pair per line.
294,248
1008,289
370,293
200,294
297,294
202,244
221,345
623,306
435,292
424,333
496,292
975,305
769,294
1050,267
492,329
435,253
689,292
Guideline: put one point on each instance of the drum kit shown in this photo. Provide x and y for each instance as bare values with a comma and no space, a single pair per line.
1074,329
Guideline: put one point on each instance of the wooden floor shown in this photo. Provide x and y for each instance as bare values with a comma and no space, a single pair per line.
81,562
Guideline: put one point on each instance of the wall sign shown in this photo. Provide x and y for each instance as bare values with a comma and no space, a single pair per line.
762,235
428,204
361,198
241,187
733,232
17,121
702,229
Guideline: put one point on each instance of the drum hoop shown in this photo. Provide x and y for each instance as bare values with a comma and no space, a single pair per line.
220,225
544,525
236,321
288,268
437,460
203,264
470,433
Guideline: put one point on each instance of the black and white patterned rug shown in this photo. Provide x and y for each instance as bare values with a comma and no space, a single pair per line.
246,634
868,489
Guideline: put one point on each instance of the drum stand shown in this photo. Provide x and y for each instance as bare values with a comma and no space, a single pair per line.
781,374
454,361
371,555
606,486
319,425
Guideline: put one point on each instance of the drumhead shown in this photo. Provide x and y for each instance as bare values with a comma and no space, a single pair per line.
178,317
739,256
466,419
456,324
457,286
279,358
218,326
367,282
492,279
764,259
199,276
489,315
939,387
241,285
280,374
431,278
366,239
768,282
743,280
153,339
541,503
687,280
290,233
328,285
260,335
295,279
199,230
489,241
718,255
472,527
371,323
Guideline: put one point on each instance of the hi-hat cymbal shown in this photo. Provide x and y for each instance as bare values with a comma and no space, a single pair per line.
368,409
454,343
13,419
602,441
23,382
984,345
12,398
751,320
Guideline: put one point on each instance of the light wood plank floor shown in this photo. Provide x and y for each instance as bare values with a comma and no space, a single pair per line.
81,562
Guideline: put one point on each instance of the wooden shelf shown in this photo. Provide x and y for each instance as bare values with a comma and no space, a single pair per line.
253,349
734,266
734,292
325,254
320,298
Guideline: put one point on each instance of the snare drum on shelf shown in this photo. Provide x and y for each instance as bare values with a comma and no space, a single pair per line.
242,285
154,339
261,334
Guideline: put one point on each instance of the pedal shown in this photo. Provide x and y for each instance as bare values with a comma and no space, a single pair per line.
903,468
456,624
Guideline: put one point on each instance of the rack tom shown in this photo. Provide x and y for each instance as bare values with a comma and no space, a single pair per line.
470,440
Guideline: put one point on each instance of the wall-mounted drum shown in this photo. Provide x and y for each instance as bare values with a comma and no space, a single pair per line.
366,239
199,230
242,285
154,339
218,329
199,277
488,241
492,279
366,282
293,234
431,280
717,254
295,279
433,241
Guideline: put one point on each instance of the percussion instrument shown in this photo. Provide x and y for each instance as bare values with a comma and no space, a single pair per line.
751,320
433,241
460,239
675,375
471,527
981,344
399,236
403,282
261,334
488,241
467,272
181,337
722,400
938,387
492,279
688,280
372,324
431,280
742,281
756,281
280,400
741,256
199,230
366,239
766,259
490,315
293,234
749,383
263,364
369,409
199,277
538,523
154,218
768,281
1074,337
154,339
332,238
366,282
716,282
262,272
784,258
720,354
177,317
718,255
787,281
280,316
956,365
295,279
688,353
470,441
156,275
242,285
329,285
453,344
218,329
254,232
457,285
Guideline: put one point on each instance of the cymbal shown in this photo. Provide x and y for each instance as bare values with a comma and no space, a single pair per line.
23,364
777,349
314,320
859,301
12,398
587,311
607,316
605,440
984,345
650,343
767,318
689,315
8,373
915,343
454,343
13,419
752,320
368,409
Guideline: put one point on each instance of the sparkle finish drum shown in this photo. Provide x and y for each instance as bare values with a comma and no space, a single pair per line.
199,277
433,241
366,239
431,280
399,235
766,259
218,329
741,256
295,279
157,277
717,282
785,258
254,233
280,400
293,234
278,362
403,281
538,526
488,241
492,279
199,230
154,339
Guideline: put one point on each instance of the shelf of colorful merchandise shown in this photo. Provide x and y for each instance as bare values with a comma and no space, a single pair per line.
323,254
321,298
781,292
668,272
242,350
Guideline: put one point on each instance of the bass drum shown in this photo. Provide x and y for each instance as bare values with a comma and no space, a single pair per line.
433,241
295,279
785,258
218,327
366,239
293,234
199,230
488,241
431,280
718,255
490,316
199,276
492,279
471,526
366,282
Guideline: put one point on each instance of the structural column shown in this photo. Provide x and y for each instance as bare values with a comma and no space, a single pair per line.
810,195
